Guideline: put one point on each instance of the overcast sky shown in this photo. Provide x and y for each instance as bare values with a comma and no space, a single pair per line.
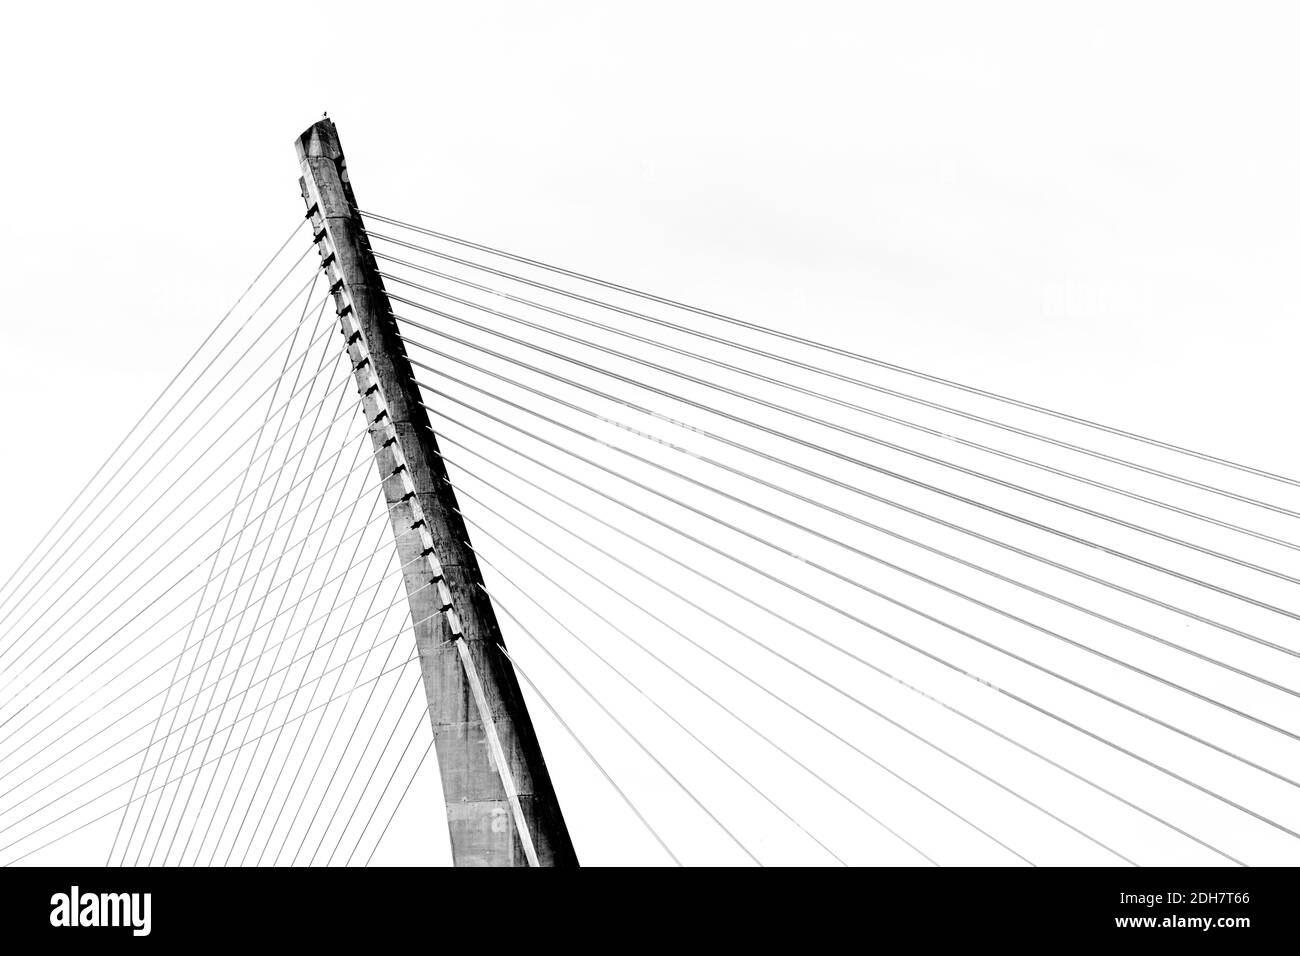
1092,207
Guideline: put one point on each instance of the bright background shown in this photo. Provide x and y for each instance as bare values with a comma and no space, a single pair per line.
1093,206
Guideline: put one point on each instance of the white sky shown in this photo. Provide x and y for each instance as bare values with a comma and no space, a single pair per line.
1092,208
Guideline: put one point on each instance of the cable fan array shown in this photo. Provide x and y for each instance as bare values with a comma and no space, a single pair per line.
795,603
771,601
206,660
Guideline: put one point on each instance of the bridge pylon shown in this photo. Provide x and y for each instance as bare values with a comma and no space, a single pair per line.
501,806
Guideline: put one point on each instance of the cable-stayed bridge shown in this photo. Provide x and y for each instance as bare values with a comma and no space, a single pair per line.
633,580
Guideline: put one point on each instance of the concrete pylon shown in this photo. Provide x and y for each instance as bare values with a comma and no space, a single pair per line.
501,806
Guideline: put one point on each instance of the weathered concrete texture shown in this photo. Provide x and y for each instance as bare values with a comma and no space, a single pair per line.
479,815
